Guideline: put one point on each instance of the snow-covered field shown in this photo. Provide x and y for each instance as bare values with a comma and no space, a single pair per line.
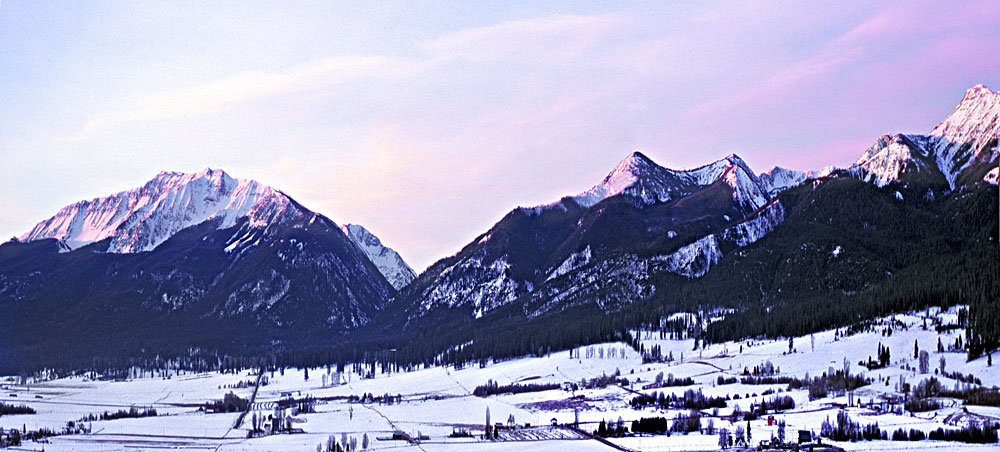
435,401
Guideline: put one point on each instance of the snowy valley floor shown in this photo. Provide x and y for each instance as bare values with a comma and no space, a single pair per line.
436,401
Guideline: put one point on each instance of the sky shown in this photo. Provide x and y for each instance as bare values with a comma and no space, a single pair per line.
426,122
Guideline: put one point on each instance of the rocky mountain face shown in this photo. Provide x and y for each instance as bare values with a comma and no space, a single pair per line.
639,177
142,218
189,256
388,261
966,138
602,245
778,179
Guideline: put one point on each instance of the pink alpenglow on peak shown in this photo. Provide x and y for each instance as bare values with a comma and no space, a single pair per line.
639,176
891,155
623,176
966,137
963,137
142,218
777,179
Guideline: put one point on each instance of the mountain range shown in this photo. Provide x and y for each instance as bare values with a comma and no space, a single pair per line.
603,245
232,265
199,258
783,252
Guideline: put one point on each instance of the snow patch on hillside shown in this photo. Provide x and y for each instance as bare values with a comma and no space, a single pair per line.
747,189
470,283
253,296
610,284
693,260
757,227
573,262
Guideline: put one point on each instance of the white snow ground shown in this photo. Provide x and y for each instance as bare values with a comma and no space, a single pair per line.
438,399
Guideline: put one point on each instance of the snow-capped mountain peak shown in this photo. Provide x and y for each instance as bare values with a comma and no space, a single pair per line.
748,191
639,176
142,218
963,137
890,156
635,162
708,174
625,174
777,179
388,261
974,117
967,136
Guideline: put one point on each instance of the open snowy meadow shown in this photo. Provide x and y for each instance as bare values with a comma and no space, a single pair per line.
427,406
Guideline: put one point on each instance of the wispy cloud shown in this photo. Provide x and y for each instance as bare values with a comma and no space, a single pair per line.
239,89
541,39
892,51
919,20
559,37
